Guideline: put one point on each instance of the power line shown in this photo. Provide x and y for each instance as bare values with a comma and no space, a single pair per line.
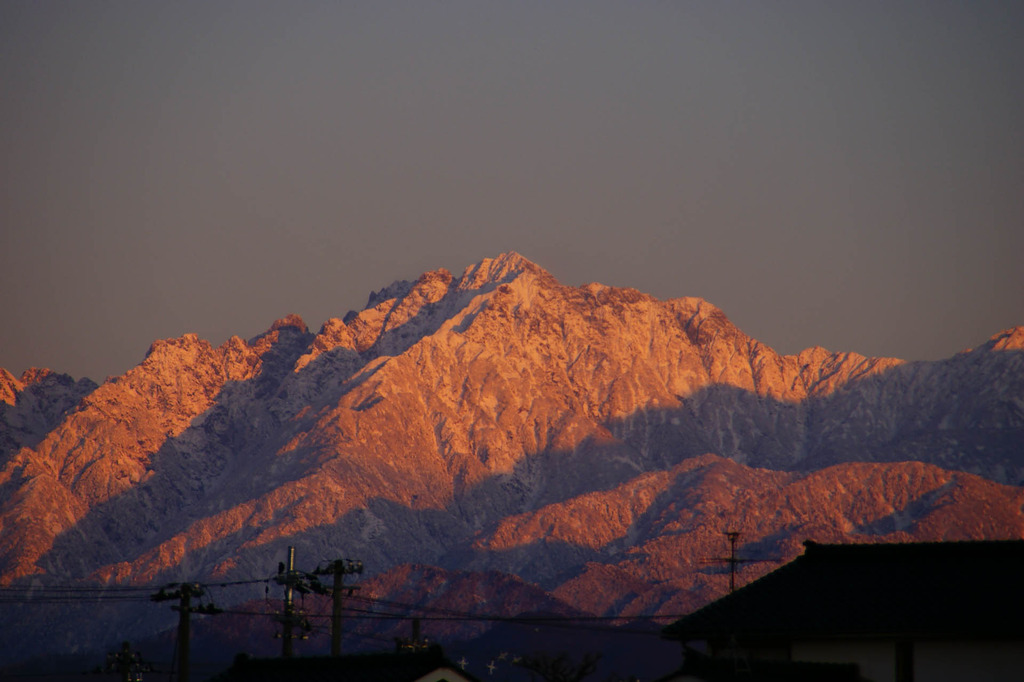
592,623
63,594
374,609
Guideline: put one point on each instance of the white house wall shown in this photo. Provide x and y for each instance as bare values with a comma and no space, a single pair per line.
443,675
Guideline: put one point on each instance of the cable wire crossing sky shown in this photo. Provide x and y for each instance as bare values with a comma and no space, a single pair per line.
827,173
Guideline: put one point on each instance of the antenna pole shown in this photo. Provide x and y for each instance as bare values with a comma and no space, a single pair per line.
733,536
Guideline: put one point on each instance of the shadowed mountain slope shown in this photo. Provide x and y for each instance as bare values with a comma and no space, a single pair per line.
592,440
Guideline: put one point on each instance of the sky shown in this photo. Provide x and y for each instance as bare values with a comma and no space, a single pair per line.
844,174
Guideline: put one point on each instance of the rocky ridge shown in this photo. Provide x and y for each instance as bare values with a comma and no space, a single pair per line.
34,404
591,440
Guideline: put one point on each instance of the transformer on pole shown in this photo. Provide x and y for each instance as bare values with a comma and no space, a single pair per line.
339,568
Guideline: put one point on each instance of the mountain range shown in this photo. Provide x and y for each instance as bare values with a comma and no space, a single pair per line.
494,442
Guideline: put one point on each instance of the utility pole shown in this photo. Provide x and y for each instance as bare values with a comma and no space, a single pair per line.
184,628
286,576
293,581
184,594
127,663
339,568
414,643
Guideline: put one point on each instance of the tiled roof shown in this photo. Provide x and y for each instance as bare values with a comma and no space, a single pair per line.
384,667
923,590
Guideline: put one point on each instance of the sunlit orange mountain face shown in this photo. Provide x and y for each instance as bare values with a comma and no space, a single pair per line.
493,442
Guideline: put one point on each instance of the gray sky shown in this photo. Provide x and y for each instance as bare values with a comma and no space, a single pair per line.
845,174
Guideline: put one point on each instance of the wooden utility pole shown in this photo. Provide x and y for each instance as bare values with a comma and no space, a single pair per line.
336,597
184,629
184,594
339,568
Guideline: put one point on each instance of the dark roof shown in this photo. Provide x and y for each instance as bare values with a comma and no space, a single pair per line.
925,590
382,667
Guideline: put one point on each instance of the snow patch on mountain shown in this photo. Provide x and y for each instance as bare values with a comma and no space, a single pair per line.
501,421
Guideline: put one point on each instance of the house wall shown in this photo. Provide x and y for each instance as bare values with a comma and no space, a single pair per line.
877,660
956,662
932,661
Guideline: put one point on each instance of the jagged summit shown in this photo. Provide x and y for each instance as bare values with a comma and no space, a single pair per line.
41,381
1008,339
498,270
11,386
489,272
290,321
587,439
36,374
